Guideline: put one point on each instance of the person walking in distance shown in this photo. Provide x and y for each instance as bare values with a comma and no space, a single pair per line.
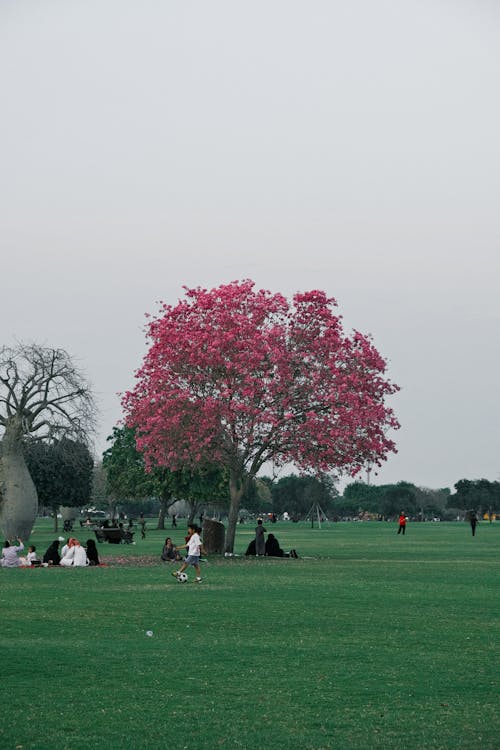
473,521
402,523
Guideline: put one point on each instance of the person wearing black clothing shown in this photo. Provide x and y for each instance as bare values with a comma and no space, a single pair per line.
273,548
92,554
251,549
473,521
52,556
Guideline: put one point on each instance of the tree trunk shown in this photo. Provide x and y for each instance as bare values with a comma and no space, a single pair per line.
213,537
165,502
161,517
19,497
236,489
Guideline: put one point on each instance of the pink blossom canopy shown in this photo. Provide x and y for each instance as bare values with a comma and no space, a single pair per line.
239,376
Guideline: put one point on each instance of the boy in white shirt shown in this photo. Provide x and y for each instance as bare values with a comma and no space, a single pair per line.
193,546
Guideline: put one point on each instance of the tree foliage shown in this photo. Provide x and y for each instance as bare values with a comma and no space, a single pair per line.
62,471
296,495
241,377
128,477
475,494
388,500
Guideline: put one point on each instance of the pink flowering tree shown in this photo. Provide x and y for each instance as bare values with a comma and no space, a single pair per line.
241,377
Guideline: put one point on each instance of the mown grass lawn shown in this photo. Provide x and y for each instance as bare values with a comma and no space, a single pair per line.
369,640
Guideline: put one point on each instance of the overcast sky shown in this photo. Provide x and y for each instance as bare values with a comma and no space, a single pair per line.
351,146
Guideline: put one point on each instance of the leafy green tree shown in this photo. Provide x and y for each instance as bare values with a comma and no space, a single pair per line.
397,497
258,497
431,502
359,497
62,471
99,497
297,494
385,500
476,494
128,478
126,475
200,487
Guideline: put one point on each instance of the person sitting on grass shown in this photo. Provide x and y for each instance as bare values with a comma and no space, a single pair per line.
193,546
273,548
67,554
92,554
75,556
52,556
168,553
31,558
251,549
65,546
80,559
9,554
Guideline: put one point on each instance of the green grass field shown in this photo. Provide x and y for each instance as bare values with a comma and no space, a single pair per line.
370,640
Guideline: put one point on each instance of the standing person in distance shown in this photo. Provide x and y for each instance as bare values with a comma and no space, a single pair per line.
260,540
402,523
473,521
193,545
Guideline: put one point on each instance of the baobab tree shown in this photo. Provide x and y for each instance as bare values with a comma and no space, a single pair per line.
42,395
242,377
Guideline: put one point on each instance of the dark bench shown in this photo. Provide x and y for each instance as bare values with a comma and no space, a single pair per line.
114,536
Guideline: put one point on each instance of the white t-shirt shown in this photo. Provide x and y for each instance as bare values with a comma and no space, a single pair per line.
194,545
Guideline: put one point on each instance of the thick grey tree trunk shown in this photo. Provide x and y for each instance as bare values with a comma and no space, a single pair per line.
213,537
19,497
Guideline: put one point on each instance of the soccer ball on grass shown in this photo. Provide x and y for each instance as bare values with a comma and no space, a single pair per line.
182,577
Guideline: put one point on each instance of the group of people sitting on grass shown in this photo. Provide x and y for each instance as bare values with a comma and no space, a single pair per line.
72,554
271,548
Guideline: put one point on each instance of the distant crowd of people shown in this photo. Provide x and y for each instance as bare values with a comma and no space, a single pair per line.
72,554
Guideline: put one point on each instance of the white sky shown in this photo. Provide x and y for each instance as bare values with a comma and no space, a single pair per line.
348,146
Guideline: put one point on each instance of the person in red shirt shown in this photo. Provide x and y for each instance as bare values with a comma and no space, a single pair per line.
402,523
